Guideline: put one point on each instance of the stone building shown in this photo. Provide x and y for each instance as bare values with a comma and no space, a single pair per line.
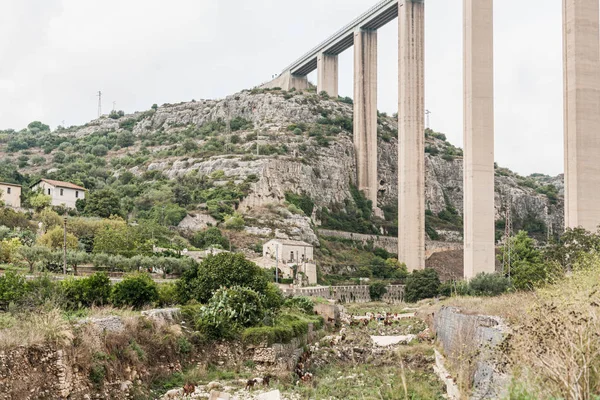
63,194
11,194
290,256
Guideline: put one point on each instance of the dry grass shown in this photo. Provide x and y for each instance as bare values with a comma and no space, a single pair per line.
35,329
554,349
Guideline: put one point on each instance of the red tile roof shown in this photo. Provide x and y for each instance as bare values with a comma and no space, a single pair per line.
60,184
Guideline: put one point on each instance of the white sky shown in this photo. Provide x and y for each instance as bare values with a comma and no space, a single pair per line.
56,54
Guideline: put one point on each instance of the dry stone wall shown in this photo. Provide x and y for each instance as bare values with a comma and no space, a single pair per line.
347,294
474,340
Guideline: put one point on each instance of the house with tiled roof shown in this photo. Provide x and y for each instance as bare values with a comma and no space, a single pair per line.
62,193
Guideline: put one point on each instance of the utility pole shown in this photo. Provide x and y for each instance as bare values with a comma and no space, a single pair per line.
65,247
508,231
276,263
427,112
99,103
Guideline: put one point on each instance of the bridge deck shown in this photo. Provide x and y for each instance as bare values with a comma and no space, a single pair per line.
376,17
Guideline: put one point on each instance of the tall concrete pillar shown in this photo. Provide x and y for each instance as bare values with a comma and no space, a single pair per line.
478,164
288,81
327,74
365,111
411,134
581,113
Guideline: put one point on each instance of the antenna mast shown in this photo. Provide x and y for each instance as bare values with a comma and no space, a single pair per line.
99,104
427,113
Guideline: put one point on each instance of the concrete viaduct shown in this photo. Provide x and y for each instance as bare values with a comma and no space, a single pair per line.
581,48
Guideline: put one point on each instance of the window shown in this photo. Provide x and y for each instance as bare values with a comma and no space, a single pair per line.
291,256
8,190
61,192
76,194
48,192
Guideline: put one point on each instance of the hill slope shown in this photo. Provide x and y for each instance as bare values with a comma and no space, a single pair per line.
199,161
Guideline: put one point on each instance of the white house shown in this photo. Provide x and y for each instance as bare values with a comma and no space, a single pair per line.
290,255
11,194
62,193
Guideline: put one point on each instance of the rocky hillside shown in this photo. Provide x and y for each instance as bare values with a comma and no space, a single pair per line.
194,163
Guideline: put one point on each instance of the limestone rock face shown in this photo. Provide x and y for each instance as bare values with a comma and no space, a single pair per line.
324,172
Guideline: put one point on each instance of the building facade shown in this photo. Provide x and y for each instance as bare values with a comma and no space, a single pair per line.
63,194
11,194
290,256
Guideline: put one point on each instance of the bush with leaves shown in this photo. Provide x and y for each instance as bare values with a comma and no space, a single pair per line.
421,284
136,290
306,304
9,250
202,280
12,288
234,221
230,310
210,237
488,285
528,269
86,292
377,290
54,239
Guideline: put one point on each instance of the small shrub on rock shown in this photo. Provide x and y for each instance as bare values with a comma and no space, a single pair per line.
306,304
136,290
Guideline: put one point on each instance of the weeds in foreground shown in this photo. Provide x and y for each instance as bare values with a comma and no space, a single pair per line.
35,329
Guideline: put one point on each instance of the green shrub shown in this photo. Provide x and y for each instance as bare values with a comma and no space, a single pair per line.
12,288
377,290
488,285
230,310
223,270
422,284
305,304
302,201
167,294
210,237
86,292
136,290
273,297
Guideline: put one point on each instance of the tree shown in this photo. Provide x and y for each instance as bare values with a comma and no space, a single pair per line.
37,126
116,239
49,218
39,201
76,258
571,246
9,249
103,203
422,284
135,290
201,281
54,239
377,290
528,268
33,255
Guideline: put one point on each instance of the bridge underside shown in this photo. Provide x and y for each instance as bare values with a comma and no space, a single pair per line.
582,117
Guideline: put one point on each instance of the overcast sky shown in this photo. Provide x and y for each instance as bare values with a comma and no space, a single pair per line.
56,54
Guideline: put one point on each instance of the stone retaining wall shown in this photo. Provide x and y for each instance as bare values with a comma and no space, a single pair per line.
390,243
474,340
346,294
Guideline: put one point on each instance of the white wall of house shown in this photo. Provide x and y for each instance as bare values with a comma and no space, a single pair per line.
289,252
11,195
66,197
